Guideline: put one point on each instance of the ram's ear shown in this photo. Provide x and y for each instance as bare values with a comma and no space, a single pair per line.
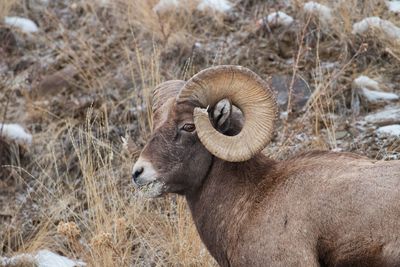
222,115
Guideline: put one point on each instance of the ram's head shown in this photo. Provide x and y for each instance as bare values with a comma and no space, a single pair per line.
226,112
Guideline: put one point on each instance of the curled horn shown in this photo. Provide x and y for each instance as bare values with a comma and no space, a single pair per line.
165,91
249,93
161,94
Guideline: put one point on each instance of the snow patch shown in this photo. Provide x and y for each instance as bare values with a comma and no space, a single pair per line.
393,130
279,19
384,117
363,81
323,12
393,6
328,65
24,24
284,115
217,5
16,133
370,90
43,258
46,258
387,27
164,6
104,2
377,96
16,260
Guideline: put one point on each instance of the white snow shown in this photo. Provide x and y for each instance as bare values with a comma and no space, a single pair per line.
24,24
16,133
387,27
370,89
389,130
217,5
376,96
323,12
328,65
164,6
104,2
393,6
16,260
46,258
279,19
384,117
284,115
43,258
363,81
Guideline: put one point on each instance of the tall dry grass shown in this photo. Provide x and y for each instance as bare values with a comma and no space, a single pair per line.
80,194
101,220
88,208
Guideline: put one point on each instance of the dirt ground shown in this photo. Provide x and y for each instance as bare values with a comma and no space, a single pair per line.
82,85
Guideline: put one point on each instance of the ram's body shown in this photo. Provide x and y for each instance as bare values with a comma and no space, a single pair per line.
335,209
316,209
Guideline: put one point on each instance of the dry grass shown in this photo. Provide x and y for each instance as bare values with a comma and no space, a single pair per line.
75,195
5,7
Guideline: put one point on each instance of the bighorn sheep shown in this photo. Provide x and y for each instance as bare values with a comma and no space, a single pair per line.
318,208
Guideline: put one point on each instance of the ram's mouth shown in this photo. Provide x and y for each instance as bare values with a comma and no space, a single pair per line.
151,189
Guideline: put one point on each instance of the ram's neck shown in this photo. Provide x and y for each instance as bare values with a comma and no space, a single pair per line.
221,206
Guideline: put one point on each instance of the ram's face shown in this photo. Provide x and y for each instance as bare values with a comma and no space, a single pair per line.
195,121
173,160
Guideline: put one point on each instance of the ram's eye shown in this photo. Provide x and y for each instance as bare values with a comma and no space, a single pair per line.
189,127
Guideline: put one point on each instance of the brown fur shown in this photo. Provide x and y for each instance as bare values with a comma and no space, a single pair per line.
295,216
316,209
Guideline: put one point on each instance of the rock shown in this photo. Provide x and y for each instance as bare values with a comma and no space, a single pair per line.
52,84
8,42
375,97
300,94
166,6
385,26
14,141
363,81
384,117
393,6
46,258
369,90
389,130
328,65
279,18
4,161
341,134
24,24
323,12
215,5
43,258
14,132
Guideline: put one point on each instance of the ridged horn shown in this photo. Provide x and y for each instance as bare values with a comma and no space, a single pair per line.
249,93
164,91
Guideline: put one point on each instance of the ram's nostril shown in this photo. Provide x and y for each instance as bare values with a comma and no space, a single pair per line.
137,173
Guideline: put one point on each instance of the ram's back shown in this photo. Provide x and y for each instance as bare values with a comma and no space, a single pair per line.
347,205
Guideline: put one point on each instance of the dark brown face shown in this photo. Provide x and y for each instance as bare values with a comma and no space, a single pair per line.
173,160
